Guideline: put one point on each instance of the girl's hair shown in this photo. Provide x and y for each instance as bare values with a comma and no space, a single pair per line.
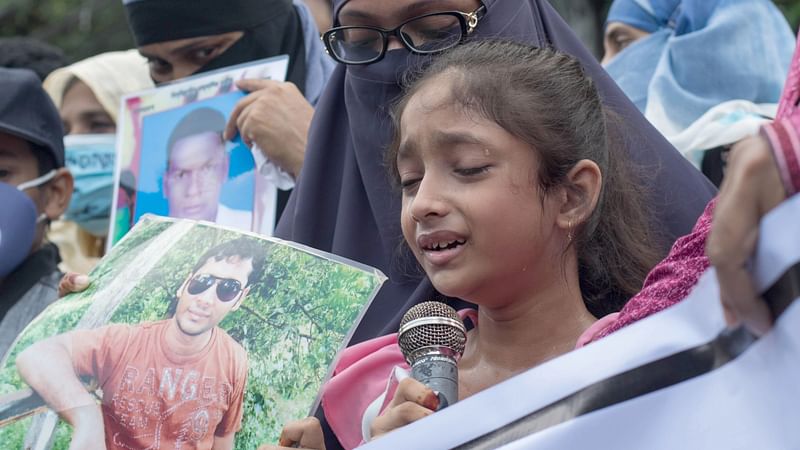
544,98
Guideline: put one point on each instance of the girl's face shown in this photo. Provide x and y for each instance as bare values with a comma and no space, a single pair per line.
471,209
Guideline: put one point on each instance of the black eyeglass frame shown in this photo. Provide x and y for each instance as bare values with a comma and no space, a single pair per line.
467,23
217,284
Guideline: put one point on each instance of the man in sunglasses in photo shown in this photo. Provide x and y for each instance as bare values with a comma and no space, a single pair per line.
175,383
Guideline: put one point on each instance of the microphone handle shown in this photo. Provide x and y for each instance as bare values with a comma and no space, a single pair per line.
440,373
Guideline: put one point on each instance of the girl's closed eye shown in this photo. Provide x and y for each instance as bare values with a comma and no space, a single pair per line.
409,183
473,171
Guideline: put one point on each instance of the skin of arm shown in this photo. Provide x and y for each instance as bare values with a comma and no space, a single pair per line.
47,368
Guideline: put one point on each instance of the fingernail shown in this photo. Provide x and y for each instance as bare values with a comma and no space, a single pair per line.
81,280
432,401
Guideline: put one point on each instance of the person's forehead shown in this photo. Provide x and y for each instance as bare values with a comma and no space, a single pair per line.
79,98
374,10
233,266
15,148
197,148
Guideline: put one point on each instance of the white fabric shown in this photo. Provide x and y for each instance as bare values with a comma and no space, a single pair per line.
271,172
749,403
234,218
108,75
723,124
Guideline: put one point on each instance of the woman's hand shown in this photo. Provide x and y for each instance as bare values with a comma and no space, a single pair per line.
412,401
305,433
72,282
276,116
751,188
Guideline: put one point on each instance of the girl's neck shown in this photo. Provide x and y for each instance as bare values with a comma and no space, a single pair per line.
523,334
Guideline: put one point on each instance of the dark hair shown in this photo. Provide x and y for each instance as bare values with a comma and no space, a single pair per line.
44,160
200,120
544,98
32,54
244,248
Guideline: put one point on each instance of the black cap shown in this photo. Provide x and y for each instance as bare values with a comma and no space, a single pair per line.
27,112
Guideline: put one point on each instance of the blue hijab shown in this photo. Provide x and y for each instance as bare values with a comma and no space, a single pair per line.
700,53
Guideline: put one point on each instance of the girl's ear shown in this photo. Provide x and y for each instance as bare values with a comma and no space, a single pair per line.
580,196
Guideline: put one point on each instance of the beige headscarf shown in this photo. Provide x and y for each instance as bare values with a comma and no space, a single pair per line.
109,76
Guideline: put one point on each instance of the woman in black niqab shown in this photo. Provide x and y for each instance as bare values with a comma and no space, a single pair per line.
344,203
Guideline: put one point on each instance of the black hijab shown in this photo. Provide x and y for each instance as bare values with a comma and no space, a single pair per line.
343,202
271,28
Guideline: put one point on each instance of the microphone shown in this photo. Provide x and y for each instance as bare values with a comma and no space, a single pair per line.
432,338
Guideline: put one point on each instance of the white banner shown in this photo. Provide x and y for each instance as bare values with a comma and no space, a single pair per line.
678,379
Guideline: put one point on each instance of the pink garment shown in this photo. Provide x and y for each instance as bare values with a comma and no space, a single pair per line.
784,133
671,280
791,91
363,373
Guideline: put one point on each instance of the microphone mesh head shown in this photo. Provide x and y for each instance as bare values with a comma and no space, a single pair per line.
452,334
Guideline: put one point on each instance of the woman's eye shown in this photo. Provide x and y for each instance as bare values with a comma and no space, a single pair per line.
203,53
472,171
100,127
158,65
622,43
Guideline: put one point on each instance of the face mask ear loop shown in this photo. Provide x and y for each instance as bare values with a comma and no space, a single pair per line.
38,181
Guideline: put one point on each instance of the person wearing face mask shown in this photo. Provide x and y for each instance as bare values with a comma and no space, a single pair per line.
706,73
88,95
35,188
182,37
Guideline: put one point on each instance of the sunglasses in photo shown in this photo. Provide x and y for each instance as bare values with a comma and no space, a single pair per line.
227,289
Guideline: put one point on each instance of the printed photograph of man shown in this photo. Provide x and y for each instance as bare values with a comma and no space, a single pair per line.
171,384
197,167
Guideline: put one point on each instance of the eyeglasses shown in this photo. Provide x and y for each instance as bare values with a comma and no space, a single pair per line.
227,289
429,33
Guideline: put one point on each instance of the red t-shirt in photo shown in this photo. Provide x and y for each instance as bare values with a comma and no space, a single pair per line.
156,399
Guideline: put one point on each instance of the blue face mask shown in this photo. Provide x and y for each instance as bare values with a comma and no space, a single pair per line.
633,68
91,159
18,221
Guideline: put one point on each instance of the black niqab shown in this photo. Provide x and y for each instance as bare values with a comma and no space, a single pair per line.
271,28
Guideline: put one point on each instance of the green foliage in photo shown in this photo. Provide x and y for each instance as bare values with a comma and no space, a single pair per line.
292,323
